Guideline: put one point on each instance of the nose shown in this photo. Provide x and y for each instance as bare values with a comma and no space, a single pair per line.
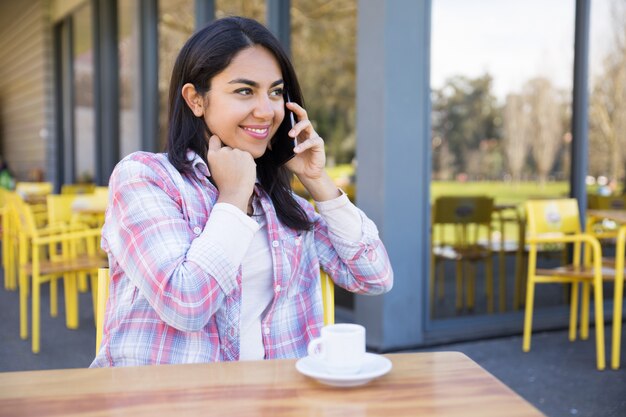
263,108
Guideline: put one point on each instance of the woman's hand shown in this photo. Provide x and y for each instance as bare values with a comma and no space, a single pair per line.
310,161
233,171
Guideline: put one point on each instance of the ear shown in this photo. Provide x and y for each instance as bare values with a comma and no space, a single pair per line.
194,100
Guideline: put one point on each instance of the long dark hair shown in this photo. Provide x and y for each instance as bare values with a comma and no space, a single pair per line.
207,53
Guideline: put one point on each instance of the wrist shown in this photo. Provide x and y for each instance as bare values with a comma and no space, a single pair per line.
236,199
322,188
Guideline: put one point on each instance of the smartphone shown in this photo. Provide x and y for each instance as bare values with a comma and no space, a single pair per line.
282,149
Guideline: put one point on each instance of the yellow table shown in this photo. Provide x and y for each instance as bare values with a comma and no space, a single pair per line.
420,384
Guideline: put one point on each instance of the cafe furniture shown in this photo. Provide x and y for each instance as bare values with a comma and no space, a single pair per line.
617,266
461,232
558,221
434,384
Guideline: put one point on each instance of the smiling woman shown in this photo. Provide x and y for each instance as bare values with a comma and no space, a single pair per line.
212,256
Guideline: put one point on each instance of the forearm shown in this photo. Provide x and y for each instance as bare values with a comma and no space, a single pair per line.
322,188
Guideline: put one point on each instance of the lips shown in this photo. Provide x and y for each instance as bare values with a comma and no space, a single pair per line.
257,132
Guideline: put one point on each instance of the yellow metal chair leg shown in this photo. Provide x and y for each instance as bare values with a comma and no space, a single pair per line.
489,278
597,301
502,283
23,305
573,311
93,277
54,300
71,301
459,285
36,311
618,296
530,296
584,313
82,282
470,290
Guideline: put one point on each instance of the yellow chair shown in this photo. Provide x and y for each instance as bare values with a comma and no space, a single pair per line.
458,225
60,214
557,221
328,299
505,214
78,188
604,229
9,241
33,188
59,208
47,255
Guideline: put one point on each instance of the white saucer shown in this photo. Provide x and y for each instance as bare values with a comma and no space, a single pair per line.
373,367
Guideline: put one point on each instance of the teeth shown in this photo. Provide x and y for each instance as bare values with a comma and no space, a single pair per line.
260,131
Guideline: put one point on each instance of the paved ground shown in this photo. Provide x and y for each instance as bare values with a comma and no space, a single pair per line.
557,376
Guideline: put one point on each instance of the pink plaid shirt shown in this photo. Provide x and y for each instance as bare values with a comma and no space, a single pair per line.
175,297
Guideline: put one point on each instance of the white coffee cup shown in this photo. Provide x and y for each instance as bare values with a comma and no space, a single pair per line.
340,349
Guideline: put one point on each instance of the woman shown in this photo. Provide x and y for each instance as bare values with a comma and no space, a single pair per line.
212,257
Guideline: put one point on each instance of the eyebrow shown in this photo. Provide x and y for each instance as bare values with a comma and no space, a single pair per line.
254,83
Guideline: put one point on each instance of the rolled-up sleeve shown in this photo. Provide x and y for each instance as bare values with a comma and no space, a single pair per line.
355,259
184,277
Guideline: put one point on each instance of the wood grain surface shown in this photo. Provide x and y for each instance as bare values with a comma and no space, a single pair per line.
420,384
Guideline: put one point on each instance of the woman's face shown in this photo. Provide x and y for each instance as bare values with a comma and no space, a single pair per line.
245,105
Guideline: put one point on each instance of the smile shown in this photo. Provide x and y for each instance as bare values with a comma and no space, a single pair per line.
257,132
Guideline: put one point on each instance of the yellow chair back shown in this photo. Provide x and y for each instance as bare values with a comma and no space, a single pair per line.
78,188
60,208
604,202
552,216
328,299
457,209
37,188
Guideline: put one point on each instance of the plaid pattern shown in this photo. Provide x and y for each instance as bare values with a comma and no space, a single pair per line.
174,295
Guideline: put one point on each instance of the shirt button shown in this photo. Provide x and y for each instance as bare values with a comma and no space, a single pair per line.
278,288
266,330
232,332
298,241
275,243
197,230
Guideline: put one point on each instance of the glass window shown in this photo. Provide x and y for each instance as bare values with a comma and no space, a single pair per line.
128,48
84,130
324,54
607,101
176,24
254,9
501,111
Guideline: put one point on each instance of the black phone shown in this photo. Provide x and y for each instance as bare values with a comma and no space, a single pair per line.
282,149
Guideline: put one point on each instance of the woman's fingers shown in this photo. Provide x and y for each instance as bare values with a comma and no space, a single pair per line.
215,144
298,110
309,143
302,126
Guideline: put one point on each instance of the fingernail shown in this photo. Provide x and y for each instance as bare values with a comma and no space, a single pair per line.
292,132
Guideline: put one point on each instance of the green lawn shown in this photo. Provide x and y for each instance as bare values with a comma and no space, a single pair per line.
502,192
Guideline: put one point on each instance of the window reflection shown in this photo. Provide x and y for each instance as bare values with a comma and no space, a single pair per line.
501,117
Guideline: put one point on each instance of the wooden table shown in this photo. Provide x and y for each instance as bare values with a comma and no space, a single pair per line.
618,216
420,384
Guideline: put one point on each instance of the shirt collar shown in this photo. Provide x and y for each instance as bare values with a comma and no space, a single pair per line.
200,167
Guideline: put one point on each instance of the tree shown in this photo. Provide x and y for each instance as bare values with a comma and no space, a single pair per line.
608,104
546,131
324,54
465,114
516,139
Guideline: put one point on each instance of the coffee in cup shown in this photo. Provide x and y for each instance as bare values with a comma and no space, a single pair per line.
340,349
